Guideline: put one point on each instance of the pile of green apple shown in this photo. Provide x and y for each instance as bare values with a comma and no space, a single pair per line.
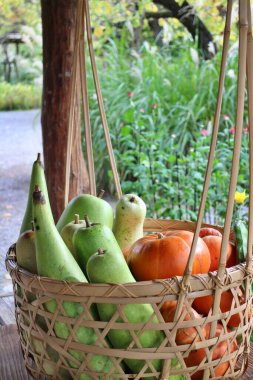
86,245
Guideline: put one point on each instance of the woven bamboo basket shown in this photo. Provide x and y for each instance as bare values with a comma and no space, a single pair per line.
47,355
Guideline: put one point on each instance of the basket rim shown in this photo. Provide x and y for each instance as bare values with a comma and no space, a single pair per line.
204,283
168,288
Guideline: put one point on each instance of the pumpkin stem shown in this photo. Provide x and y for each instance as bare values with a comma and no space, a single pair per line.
160,235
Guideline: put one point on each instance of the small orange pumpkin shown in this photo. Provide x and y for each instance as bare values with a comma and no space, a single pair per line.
166,255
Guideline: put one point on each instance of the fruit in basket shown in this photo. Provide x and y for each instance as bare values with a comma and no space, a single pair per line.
26,251
221,350
184,335
233,259
55,261
106,267
165,255
214,246
37,178
209,231
88,238
204,304
98,209
241,238
129,220
68,231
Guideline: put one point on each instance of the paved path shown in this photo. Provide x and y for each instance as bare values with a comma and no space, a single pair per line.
20,141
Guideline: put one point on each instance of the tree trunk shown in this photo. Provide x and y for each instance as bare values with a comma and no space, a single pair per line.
186,15
58,22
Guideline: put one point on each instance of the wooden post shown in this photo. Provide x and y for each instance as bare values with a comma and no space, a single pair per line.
58,23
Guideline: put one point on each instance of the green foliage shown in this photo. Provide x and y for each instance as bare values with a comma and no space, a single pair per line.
160,108
19,96
16,13
159,102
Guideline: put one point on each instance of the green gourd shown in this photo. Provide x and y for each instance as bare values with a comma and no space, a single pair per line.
55,261
68,231
106,267
26,251
98,209
37,178
129,220
88,239
241,238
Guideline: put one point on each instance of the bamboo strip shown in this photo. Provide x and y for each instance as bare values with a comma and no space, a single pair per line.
188,269
78,31
243,29
250,114
101,104
86,112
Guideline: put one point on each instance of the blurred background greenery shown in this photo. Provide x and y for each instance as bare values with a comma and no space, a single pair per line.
159,81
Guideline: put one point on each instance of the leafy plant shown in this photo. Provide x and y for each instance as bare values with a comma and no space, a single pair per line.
160,111
19,96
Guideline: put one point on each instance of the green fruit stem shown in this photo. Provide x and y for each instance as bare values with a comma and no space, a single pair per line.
87,221
77,219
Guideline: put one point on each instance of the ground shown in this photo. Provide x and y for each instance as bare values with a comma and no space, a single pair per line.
20,136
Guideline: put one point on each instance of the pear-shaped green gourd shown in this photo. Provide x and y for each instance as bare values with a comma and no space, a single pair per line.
54,260
26,251
106,267
129,220
87,240
68,231
37,178
98,209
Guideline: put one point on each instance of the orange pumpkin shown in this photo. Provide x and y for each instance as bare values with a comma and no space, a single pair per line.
204,304
214,245
184,335
233,259
207,231
165,255
197,356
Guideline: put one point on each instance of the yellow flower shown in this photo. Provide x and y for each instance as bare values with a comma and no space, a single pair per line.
240,197
98,31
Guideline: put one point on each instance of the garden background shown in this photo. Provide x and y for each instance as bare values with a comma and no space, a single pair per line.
159,85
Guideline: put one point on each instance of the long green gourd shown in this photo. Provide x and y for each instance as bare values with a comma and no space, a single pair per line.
55,261
106,267
37,178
